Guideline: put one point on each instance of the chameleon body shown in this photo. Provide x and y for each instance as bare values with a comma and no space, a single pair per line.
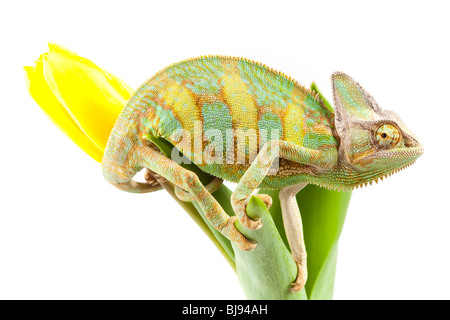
222,109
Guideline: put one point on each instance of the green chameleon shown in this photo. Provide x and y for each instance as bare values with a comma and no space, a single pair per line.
243,122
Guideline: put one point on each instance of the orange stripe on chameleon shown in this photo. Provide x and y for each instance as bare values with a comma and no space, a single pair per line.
239,101
182,102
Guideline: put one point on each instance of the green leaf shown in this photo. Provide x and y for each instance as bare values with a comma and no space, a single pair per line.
323,214
325,102
267,271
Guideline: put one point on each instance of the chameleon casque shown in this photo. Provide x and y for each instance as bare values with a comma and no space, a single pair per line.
353,145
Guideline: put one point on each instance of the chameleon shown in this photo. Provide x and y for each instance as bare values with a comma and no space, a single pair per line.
220,106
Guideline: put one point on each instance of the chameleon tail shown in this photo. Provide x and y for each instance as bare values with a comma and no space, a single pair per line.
120,174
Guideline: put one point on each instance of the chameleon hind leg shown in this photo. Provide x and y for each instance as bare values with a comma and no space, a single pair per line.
292,221
260,167
184,195
155,161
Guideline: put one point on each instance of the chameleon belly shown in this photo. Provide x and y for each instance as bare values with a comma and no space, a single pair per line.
219,98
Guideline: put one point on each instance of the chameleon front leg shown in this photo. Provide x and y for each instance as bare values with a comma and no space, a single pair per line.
259,168
294,231
155,161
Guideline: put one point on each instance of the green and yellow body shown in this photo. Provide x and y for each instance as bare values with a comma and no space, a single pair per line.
234,100
241,121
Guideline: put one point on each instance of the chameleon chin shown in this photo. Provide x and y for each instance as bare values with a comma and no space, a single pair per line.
353,145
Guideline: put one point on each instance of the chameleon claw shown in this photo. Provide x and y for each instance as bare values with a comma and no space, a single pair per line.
249,223
152,177
242,242
266,199
300,281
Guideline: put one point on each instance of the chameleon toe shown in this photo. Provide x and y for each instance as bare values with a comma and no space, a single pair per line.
266,199
249,223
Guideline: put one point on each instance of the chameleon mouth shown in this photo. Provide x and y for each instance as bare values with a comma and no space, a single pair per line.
381,178
368,180
413,152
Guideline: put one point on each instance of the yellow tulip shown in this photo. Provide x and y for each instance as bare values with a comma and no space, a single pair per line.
82,99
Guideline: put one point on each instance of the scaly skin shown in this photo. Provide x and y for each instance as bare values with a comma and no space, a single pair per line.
356,144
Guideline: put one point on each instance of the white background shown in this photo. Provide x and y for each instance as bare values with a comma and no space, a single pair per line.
66,233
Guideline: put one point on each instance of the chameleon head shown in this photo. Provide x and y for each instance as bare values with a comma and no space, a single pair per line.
373,142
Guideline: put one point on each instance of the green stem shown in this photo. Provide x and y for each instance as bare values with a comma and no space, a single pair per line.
267,271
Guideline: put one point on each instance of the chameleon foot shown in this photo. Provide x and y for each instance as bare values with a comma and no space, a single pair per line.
152,177
231,232
302,275
248,222
266,199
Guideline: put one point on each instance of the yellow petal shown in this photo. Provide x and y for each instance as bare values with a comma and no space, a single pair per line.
44,97
53,47
91,95
117,83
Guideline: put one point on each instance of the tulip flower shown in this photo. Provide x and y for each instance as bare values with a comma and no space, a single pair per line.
82,99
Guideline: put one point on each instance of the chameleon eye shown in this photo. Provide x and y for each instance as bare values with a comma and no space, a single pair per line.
387,135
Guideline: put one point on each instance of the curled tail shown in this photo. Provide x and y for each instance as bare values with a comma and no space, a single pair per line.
121,177
120,161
